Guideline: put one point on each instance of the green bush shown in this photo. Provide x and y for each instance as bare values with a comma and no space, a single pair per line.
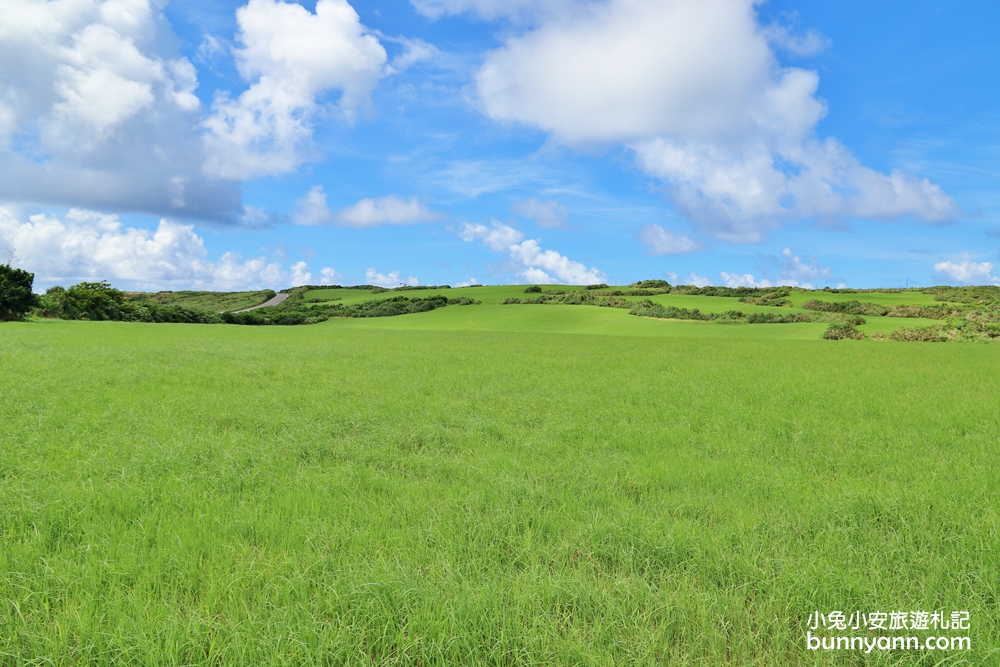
935,334
598,286
533,289
16,297
843,332
651,284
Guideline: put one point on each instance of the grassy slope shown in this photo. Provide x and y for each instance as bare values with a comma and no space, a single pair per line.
343,495
213,302
491,316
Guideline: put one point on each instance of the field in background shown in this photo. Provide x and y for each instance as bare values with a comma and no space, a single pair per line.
410,490
492,316
212,302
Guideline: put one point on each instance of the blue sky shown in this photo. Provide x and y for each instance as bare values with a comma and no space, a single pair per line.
230,145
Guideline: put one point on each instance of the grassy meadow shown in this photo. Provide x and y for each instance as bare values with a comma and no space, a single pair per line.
488,485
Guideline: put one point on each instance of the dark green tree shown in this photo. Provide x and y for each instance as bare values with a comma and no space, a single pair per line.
96,301
16,297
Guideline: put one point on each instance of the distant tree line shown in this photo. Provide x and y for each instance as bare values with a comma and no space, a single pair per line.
100,301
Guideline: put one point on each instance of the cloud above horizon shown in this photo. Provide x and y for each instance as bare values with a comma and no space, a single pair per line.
966,272
694,90
312,209
97,111
530,261
292,58
85,245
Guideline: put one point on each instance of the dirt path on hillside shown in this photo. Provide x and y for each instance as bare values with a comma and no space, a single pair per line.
273,301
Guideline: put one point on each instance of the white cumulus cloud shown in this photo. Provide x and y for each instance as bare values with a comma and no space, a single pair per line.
300,274
535,264
694,88
373,277
386,211
312,209
329,276
698,281
90,246
96,109
794,269
743,280
659,241
292,58
966,272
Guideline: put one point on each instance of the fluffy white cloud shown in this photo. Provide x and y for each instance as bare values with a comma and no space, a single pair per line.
373,277
659,241
546,214
312,209
695,90
497,237
386,211
738,194
90,246
97,111
414,51
966,272
536,265
292,57
794,269
329,276
300,274
698,281
743,280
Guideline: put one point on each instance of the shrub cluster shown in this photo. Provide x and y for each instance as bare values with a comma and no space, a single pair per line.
773,298
597,286
16,296
843,331
935,334
649,308
634,292
573,299
978,295
301,314
100,301
712,290
651,284
533,289
938,312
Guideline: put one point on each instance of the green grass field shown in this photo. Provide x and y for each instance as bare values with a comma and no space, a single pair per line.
488,485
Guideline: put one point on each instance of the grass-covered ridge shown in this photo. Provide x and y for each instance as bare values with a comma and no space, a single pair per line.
359,493
212,302
932,314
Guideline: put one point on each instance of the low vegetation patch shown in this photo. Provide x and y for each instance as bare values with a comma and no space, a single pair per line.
649,308
843,331
936,312
100,301
301,314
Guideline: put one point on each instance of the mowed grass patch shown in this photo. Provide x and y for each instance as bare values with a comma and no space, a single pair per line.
195,494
